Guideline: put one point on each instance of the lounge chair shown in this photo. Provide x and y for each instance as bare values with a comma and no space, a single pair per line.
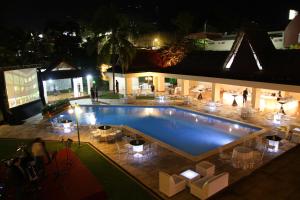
208,186
171,184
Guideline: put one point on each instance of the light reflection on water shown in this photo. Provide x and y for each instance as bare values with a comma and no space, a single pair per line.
190,132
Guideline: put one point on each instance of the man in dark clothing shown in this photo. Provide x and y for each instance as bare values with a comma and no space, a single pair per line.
92,94
245,93
152,88
96,93
117,86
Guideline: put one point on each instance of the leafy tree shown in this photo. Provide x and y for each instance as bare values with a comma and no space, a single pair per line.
184,23
111,42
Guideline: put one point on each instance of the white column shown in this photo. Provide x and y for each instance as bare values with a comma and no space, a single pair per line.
110,82
128,85
186,87
77,82
215,92
89,83
161,84
45,91
255,98
155,82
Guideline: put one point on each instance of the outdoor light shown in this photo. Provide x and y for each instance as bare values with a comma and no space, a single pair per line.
77,111
89,76
189,174
71,111
138,148
40,35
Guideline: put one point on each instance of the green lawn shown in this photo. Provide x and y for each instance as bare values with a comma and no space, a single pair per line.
110,95
115,182
145,97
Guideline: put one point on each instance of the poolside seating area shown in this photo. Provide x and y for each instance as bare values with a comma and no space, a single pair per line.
202,182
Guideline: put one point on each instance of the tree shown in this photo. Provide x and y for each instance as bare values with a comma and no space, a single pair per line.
184,23
111,39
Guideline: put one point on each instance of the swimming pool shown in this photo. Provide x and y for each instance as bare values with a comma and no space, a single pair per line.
187,131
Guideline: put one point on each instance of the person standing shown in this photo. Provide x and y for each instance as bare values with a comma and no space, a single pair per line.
92,94
38,151
245,94
96,93
117,86
152,88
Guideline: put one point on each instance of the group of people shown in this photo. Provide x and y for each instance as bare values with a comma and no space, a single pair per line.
28,168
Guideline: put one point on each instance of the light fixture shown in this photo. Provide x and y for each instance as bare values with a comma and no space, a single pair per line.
89,77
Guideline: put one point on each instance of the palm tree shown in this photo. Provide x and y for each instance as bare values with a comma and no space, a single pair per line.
111,39
116,50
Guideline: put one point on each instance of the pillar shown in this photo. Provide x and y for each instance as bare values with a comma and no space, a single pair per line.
89,81
186,87
160,83
215,92
155,82
255,98
128,85
45,91
78,86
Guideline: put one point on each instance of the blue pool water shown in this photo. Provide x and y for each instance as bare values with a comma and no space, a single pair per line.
185,130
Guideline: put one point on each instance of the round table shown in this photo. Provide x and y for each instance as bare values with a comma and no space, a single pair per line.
273,142
104,129
234,103
66,123
281,107
242,157
137,145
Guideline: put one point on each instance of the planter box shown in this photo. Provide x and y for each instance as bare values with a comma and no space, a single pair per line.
56,110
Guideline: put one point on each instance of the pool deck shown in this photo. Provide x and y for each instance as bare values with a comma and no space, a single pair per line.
146,170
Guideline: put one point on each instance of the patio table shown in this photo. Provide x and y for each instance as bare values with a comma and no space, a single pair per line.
273,142
137,145
105,129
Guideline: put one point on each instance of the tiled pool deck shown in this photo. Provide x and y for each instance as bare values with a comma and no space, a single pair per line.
146,170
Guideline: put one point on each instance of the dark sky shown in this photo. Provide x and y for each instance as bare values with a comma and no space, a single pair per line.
33,14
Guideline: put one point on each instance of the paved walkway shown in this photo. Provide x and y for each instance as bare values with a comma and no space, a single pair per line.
278,180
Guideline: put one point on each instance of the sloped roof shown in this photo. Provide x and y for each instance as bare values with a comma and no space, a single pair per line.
291,32
202,63
60,65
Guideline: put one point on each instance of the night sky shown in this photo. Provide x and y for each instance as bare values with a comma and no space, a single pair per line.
33,14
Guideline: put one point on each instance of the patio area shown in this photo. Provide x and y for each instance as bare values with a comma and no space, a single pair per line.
146,170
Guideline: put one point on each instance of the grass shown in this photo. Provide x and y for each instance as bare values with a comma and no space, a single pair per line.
145,97
110,95
115,182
